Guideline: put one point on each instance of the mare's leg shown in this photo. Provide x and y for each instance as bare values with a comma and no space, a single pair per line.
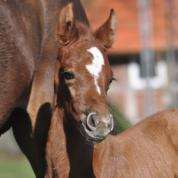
6,126
25,138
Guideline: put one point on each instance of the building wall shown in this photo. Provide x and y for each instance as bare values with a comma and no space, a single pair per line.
137,102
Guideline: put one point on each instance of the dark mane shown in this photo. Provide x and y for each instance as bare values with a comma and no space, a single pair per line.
84,32
79,12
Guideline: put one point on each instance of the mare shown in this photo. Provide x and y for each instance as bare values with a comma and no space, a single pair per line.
28,53
83,77
148,150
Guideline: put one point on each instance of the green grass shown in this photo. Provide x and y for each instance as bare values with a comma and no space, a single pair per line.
11,167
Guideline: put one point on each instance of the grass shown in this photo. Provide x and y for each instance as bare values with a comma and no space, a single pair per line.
15,167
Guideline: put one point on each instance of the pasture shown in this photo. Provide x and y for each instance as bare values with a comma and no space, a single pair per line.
15,167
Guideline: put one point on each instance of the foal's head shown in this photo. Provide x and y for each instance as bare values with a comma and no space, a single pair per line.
85,73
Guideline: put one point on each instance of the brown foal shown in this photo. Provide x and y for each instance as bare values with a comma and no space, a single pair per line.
81,85
85,73
148,150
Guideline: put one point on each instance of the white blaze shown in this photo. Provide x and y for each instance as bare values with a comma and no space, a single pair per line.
96,66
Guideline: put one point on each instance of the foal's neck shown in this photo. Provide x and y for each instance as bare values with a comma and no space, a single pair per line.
56,153
80,154
68,154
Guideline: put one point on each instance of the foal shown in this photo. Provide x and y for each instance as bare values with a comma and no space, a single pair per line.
81,85
85,73
148,150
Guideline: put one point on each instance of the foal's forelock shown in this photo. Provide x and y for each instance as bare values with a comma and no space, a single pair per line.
96,66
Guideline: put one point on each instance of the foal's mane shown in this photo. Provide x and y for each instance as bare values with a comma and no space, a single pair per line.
84,31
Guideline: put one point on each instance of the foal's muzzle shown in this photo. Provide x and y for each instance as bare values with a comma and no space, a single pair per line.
97,128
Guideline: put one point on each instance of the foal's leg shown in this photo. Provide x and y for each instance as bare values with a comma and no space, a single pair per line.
25,138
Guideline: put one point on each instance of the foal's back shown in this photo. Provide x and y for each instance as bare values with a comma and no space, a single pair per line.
148,150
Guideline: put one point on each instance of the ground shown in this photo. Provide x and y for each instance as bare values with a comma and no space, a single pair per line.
14,167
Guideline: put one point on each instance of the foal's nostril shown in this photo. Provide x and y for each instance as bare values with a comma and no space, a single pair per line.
92,121
97,127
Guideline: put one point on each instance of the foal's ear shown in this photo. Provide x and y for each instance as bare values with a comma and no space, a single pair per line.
66,29
106,32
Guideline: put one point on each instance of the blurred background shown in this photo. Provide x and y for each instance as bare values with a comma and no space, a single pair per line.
144,60
144,56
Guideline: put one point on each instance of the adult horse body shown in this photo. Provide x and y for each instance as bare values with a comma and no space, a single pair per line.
28,54
27,50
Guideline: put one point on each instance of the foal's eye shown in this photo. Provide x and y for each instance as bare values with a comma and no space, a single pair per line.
110,81
68,75
113,79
